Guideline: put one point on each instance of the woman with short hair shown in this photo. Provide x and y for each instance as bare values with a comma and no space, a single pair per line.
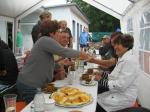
121,82
39,67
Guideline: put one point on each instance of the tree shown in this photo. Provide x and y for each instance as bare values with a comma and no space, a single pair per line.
99,20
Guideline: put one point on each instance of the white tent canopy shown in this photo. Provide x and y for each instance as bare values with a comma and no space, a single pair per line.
116,8
16,8
19,8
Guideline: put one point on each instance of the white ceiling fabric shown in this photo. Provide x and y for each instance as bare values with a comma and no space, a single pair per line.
116,5
15,8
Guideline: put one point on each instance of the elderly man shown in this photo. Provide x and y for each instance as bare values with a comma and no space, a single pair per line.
63,26
60,63
44,16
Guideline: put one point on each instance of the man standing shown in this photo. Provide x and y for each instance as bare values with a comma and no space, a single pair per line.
44,16
84,39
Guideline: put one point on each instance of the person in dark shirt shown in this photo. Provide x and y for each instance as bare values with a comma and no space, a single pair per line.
9,63
2,65
107,54
36,33
105,50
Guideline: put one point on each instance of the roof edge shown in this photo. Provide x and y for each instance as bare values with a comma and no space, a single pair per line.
69,4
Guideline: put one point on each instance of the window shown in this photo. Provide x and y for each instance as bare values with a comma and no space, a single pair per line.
80,28
78,36
144,41
77,30
74,28
130,26
27,38
145,19
145,31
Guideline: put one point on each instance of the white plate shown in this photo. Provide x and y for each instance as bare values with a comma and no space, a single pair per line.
92,83
74,106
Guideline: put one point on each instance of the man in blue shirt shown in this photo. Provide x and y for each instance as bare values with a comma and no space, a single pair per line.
84,39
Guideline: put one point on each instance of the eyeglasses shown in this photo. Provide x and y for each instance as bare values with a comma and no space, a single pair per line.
60,30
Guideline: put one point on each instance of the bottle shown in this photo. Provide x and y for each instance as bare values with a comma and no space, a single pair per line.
72,67
39,101
94,52
70,76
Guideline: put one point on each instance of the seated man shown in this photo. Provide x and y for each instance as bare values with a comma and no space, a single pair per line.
63,26
105,50
60,62
109,57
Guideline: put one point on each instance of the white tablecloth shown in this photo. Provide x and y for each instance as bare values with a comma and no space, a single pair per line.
86,108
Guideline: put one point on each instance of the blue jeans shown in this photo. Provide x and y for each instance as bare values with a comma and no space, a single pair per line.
26,92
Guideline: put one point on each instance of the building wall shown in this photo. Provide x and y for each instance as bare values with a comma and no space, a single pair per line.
80,22
61,13
58,13
141,32
64,13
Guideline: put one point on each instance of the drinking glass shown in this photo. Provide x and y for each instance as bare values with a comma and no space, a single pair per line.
10,102
80,69
39,101
71,77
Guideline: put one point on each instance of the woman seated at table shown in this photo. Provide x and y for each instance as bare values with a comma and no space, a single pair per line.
109,64
39,67
121,82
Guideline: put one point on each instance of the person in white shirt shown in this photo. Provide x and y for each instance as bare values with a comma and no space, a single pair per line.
122,81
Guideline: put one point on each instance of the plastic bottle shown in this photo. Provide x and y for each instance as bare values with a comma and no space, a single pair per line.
39,101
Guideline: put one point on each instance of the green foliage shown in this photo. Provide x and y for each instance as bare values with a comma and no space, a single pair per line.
99,20
97,36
